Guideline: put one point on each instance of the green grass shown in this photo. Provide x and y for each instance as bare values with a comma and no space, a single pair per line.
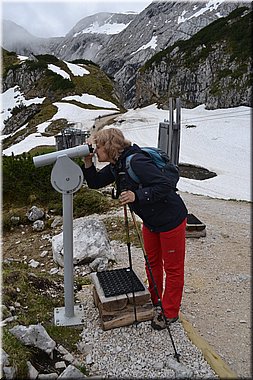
116,229
9,59
18,353
38,294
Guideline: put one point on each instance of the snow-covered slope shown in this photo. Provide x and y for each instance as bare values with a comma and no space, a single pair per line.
218,140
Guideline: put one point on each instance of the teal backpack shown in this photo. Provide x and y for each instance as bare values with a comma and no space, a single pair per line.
161,160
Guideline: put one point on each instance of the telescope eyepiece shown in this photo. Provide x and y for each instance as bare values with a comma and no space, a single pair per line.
91,149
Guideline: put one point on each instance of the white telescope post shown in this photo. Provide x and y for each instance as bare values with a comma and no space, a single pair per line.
66,178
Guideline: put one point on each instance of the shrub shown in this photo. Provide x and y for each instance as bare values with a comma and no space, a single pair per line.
87,202
31,180
34,186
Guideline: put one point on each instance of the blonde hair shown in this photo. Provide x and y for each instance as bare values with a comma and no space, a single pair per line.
113,141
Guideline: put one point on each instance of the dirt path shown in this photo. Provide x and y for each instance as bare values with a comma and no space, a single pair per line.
105,120
218,279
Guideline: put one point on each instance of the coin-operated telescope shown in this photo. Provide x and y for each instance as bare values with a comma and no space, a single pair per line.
66,178
50,158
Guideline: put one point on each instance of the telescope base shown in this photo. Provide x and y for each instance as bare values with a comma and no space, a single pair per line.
60,318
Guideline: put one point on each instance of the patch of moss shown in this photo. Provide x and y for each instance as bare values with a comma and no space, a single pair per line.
46,113
9,60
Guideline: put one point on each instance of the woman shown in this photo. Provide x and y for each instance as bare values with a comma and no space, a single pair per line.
158,205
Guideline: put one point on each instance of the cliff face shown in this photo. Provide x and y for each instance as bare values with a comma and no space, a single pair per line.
156,28
212,68
91,34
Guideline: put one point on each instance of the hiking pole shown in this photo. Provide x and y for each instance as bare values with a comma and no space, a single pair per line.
177,355
122,178
130,262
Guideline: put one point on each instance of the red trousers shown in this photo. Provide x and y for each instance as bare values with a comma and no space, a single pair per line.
166,254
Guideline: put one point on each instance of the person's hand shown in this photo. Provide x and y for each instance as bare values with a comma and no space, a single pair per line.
127,197
88,159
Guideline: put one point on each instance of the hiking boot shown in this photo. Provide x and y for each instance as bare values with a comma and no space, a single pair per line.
158,322
158,309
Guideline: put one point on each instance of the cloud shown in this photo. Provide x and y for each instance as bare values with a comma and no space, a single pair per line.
57,18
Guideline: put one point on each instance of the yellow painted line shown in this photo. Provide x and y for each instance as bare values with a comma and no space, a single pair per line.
213,359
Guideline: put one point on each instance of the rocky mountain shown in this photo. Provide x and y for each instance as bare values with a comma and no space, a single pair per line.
121,43
83,41
17,39
91,34
38,84
159,26
213,67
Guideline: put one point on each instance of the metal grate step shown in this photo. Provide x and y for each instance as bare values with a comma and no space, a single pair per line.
119,281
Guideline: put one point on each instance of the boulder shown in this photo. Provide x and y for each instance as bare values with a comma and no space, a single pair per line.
34,335
90,242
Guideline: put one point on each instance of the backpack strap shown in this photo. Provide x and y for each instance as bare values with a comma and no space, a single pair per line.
130,170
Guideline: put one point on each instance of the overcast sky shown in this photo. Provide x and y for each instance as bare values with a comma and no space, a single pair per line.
56,18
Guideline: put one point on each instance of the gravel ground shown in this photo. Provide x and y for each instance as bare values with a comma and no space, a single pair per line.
216,302
217,298
138,351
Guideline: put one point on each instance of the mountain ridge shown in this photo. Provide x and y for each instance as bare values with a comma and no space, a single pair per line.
40,85
24,42
121,55
213,67
121,60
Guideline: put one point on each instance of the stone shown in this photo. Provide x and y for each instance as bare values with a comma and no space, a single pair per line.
32,372
90,241
34,335
38,225
35,213
71,372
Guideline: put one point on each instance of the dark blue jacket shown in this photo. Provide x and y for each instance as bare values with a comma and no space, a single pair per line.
157,204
